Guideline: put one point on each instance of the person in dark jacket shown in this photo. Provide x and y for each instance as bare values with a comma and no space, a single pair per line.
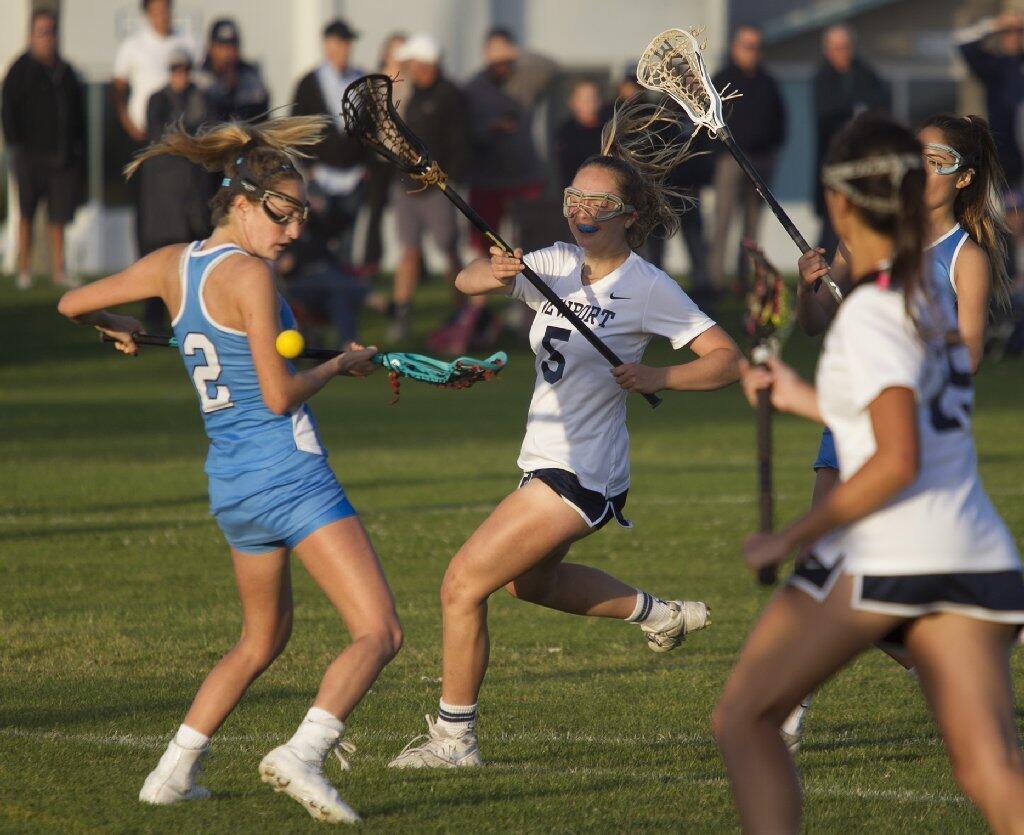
502,98
379,171
173,193
579,136
338,167
44,128
758,123
233,86
844,86
436,112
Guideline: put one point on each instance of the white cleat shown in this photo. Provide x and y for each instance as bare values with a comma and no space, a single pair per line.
174,778
687,616
440,750
285,771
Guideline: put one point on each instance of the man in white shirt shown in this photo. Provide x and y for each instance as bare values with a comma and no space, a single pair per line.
140,67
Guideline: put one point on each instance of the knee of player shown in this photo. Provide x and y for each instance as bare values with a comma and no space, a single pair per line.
260,654
456,589
728,719
988,771
385,637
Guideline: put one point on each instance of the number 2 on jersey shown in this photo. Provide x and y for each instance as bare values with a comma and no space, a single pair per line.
206,374
554,366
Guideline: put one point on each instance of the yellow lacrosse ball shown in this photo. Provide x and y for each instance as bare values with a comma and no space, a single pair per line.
290,344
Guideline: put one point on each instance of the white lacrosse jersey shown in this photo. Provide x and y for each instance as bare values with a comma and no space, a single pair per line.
943,522
577,419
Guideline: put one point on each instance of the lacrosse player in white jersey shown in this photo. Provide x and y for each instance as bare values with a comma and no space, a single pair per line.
575,456
907,547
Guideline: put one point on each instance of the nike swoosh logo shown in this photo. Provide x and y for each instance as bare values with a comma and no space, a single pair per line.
618,298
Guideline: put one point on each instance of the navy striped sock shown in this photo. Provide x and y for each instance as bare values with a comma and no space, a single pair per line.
456,719
642,610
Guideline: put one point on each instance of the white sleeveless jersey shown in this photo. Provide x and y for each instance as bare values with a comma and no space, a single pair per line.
944,522
577,419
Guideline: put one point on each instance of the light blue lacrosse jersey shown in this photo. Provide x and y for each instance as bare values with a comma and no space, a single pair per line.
942,255
245,436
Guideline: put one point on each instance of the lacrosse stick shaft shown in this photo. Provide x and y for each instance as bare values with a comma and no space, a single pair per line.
766,506
762,189
536,281
162,341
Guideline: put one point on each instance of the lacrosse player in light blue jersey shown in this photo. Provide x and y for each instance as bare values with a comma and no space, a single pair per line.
271,489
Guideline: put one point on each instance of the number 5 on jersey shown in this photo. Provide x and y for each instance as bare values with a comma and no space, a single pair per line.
205,375
553,367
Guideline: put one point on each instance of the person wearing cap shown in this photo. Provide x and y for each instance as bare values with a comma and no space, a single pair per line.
140,66
337,171
436,113
173,193
234,87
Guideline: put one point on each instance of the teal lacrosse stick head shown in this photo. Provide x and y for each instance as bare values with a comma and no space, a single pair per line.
459,373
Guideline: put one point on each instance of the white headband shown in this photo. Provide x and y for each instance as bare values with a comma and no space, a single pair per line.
837,177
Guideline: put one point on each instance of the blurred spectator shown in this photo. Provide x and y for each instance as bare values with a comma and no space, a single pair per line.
140,69
436,113
173,192
140,66
379,172
44,128
843,87
627,88
321,290
1001,72
337,170
758,123
688,179
233,86
504,164
580,135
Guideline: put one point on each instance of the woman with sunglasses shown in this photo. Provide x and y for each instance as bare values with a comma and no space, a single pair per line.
966,258
575,456
271,489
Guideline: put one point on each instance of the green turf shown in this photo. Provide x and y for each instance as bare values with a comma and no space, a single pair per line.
116,596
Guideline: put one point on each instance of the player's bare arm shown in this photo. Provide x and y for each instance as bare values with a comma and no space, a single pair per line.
283,391
717,365
973,280
491,275
892,468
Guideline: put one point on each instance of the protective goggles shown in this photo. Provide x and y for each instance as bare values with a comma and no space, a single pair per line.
279,208
599,205
938,156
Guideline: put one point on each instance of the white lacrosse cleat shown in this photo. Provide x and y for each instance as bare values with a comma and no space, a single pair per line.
688,616
285,771
441,750
174,778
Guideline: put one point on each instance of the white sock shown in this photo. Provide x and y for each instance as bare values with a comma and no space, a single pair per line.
456,720
651,611
317,732
188,737
794,722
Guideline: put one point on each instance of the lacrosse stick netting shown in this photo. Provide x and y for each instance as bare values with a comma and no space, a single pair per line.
672,64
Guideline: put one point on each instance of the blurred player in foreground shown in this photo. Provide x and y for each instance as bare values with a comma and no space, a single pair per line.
575,456
271,489
966,260
908,548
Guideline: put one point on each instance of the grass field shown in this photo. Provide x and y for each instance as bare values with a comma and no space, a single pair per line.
116,597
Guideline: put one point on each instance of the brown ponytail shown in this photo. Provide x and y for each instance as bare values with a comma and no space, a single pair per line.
978,208
268,146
